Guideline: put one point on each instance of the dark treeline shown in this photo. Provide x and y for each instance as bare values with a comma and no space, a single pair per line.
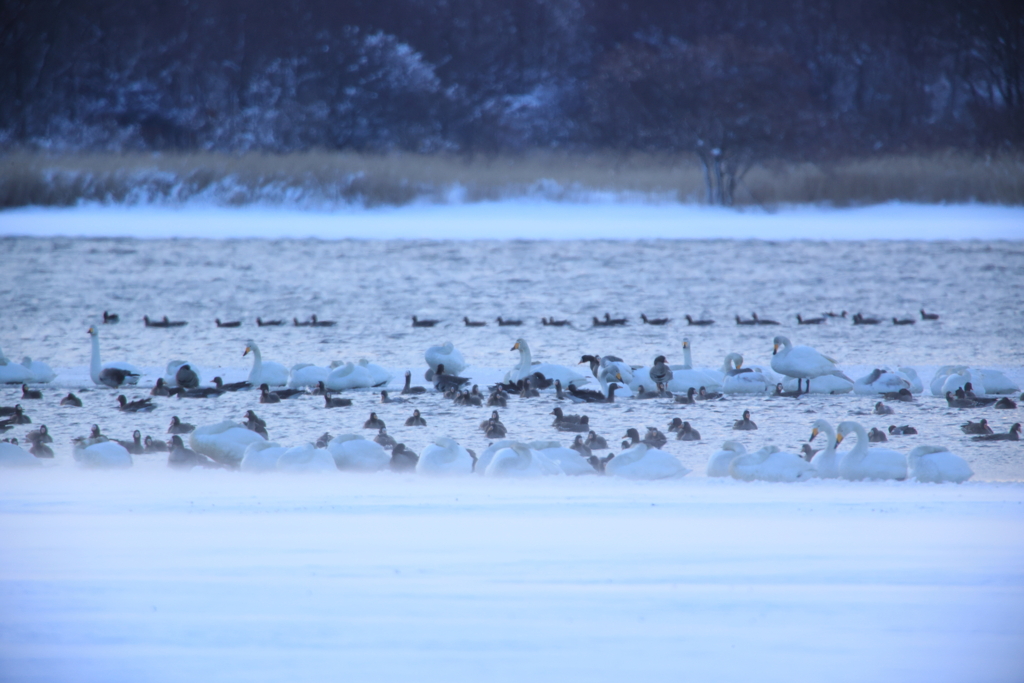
732,81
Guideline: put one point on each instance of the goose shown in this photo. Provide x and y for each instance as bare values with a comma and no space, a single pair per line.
423,323
879,381
583,425
111,375
935,465
807,452
386,398
802,362
825,461
270,373
307,375
315,322
187,377
595,442
18,417
525,368
744,424
957,402
384,439
261,456
225,442
687,433
142,405
608,369
349,376
969,393
508,323
471,323
704,395
929,316
641,462
267,396
254,424
135,446
591,396
654,438
771,464
903,321
336,402
411,390
13,455
416,420
183,458
111,318
876,435
561,417
178,427
102,455
863,463
882,409
976,427
352,452
402,459
740,380
781,392
170,378
528,391
373,422
1012,435
445,382
654,321
1005,403
905,430
268,323
13,373
446,354
675,425
660,373
608,320
519,460
71,400
30,394
699,323
859,319
901,395
553,323
201,392
443,456
741,321
830,314
306,458
580,447
685,376
9,410
759,321
154,445
231,386
296,323
688,399
233,323
494,429
809,321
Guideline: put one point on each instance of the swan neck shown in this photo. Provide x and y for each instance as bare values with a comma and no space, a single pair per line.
257,365
687,362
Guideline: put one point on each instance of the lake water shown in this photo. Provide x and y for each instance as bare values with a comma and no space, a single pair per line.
55,288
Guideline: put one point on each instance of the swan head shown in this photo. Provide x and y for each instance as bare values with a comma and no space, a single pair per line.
93,332
519,345
250,346
819,427
734,446
779,341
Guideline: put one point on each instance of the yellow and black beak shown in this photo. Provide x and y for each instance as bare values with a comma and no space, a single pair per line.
515,347
839,439
246,352
814,433
775,349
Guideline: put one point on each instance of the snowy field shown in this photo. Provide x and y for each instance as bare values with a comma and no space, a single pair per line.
603,218
153,576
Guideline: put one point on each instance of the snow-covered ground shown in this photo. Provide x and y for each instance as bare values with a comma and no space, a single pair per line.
531,219
149,575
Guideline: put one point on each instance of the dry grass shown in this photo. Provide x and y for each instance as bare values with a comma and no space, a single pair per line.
321,178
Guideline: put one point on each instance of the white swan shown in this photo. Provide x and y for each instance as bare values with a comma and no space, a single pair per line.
720,460
641,462
103,455
261,456
685,376
519,460
483,461
568,461
225,442
306,458
825,461
935,464
41,372
862,462
446,355
378,375
306,375
353,453
802,362
171,372
940,376
993,382
444,457
910,375
983,380
13,373
16,456
879,381
771,464
349,376
525,368
737,381
110,375
274,374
